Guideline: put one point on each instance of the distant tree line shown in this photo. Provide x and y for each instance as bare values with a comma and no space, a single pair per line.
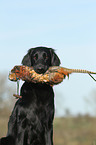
6,92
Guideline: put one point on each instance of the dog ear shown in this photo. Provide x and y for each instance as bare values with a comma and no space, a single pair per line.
27,58
55,61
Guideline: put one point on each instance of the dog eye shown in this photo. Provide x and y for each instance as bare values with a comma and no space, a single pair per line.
35,56
45,56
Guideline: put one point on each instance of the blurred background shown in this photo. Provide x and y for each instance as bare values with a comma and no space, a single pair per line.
70,28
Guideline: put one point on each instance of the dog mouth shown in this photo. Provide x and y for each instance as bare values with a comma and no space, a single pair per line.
40,69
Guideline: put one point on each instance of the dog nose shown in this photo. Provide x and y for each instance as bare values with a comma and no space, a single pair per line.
40,69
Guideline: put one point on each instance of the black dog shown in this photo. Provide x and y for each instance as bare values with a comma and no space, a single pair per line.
31,122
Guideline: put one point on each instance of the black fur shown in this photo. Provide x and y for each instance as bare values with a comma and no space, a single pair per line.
31,122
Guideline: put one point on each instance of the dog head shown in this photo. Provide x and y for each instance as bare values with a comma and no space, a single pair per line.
41,58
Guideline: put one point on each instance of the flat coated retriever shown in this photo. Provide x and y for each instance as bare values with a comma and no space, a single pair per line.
31,121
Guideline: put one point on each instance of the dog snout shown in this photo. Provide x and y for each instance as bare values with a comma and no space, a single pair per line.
40,69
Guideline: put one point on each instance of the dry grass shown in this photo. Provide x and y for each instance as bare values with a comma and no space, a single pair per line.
75,131
67,131
4,117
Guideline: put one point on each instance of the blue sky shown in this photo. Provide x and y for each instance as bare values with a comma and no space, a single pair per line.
67,26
